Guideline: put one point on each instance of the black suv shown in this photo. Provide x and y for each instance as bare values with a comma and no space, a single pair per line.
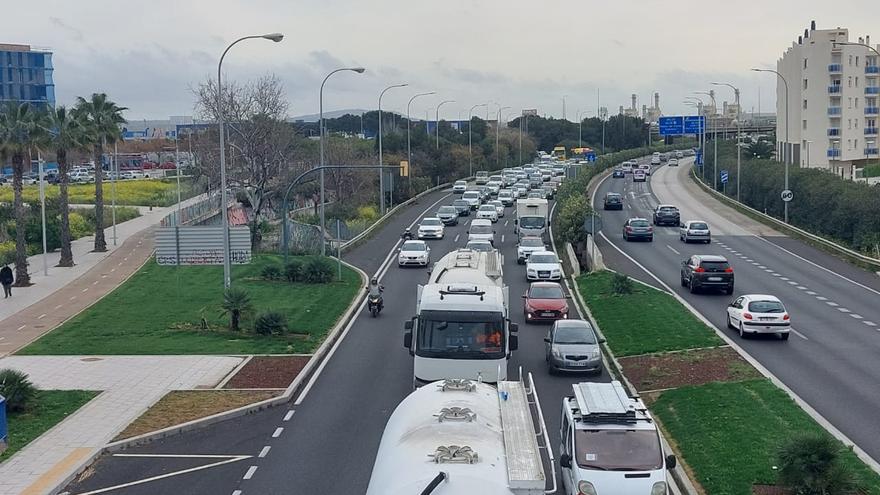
667,215
613,201
707,271
463,207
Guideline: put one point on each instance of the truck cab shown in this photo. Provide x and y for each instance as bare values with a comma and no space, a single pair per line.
609,443
531,217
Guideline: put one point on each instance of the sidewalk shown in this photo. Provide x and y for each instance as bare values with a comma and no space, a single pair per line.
130,385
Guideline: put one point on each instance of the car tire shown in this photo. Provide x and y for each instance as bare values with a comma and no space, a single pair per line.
683,282
693,287
651,239
729,323
784,336
729,290
742,333
708,241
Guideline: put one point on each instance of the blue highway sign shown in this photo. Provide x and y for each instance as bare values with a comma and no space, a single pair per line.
694,124
671,126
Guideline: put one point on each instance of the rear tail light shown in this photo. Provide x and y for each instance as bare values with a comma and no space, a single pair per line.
728,270
786,317
650,229
699,269
747,316
628,228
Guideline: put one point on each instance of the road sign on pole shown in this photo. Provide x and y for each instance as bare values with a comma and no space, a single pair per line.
724,176
593,224
787,195
671,126
694,124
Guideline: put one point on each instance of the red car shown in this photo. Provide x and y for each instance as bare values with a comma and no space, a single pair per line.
545,301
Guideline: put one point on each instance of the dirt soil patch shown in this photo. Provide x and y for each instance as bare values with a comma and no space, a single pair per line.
180,406
677,369
268,372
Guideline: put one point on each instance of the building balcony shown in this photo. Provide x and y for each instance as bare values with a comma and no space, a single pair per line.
833,153
871,151
834,131
871,110
835,89
872,69
837,110
872,90
871,131
835,68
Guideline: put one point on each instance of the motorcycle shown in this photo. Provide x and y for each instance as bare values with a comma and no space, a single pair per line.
374,304
407,236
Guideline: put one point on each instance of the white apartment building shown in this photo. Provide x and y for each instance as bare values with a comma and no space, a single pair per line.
833,92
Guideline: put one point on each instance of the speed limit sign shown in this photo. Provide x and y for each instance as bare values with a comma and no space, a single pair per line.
787,195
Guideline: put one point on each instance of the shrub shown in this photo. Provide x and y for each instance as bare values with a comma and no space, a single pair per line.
79,226
293,270
810,464
367,213
621,284
317,270
7,252
17,389
270,322
236,302
271,271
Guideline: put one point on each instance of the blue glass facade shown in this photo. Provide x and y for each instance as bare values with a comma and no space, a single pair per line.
26,75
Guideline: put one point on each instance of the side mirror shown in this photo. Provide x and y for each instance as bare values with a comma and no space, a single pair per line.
525,296
513,327
565,461
601,340
514,342
671,462
407,325
407,340
547,339
467,231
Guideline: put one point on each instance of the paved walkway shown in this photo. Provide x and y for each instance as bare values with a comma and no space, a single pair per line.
130,385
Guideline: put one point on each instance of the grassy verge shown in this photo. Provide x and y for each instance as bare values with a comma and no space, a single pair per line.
160,308
181,406
154,192
643,322
49,408
729,432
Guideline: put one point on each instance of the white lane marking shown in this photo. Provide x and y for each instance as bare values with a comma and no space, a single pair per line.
72,298
502,238
22,327
762,267
775,274
59,306
750,260
456,237
821,298
112,270
236,492
277,432
784,278
857,316
41,316
869,323
86,289
755,263
227,459
673,249
250,473
832,304
811,293
263,453
792,282
288,415
732,251
819,266
95,282
844,310
801,287
505,222
799,334
768,270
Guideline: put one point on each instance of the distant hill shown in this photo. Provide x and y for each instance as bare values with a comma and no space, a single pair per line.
328,115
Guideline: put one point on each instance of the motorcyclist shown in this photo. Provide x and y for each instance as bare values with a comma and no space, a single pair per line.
375,290
407,235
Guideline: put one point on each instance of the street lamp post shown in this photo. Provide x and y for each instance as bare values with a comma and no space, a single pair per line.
498,137
381,171
408,125
359,70
711,94
580,134
227,266
738,134
470,137
437,123
784,148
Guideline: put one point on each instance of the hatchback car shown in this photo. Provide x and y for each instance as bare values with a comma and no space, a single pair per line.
638,228
414,253
480,246
543,265
707,271
549,191
499,207
618,173
639,176
695,230
474,198
463,207
757,314
613,201
572,345
666,215
459,187
506,196
673,162
488,212
431,228
545,301
448,215
527,246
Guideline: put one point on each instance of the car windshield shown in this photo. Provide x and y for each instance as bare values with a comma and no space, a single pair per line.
459,202
480,246
542,258
639,223
471,195
460,183
766,307
527,242
699,226
669,209
431,222
461,334
488,208
546,292
618,450
503,194
575,334
613,197
481,229
413,246
531,222
446,209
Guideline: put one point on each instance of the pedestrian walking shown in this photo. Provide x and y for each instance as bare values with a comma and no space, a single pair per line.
6,280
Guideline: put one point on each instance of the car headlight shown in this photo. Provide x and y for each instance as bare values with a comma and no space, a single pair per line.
587,488
556,353
531,271
659,488
556,272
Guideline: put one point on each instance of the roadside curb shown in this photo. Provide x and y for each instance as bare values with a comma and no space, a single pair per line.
196,424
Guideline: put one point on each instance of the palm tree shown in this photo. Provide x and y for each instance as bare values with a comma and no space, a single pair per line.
236,302
20,128
67,132
103,117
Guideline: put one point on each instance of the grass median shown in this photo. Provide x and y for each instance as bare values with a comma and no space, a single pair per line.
176,310
48,408
643,322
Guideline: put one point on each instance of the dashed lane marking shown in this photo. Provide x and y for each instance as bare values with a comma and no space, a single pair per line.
800,334
72,298
502,238
832,304
22,327
95,282
844,310
792,282
277,432
809,292
41,316
869,323
672,249
784,278
263,453
288,415
456,237
857,316
250,473
801,287
86,289
821,298
762,267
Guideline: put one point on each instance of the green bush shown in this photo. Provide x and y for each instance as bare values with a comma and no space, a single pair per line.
621,284
270,322
236,303
810,464
79,226
7,252
271,271
17,389
570,219
293,270
317,270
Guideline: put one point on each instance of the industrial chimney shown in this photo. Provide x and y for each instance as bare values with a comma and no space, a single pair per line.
812,25
634,98
657,101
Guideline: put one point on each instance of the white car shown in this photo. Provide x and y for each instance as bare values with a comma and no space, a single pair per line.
488,212
415,253
527,246
474,198
481,229
543,265
695,230
480,246
506,196
494,187
499,207
639,176
459,187
431,228
759,313
673,162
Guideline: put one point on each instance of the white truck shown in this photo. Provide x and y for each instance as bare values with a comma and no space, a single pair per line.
531,217
465,437
462,326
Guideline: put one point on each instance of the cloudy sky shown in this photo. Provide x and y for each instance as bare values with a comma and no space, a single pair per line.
522,54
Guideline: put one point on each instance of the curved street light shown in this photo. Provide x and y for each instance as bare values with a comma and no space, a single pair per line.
497,137
711,94
738,133
408,125
381,174
437,118
785,151
470,138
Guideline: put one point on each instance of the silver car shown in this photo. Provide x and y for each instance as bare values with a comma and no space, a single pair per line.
695,230
572,345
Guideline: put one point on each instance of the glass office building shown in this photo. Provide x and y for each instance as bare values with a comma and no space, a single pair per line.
26,75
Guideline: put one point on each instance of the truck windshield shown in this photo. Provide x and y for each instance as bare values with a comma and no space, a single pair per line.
531,222
618,450
461,335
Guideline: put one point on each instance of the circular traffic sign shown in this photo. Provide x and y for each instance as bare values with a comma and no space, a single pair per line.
787,195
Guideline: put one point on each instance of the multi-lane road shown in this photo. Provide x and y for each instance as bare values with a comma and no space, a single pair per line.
328,443
830,361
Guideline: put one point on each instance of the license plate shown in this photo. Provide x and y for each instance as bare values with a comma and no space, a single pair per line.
547,314
578,363
714,279
766,318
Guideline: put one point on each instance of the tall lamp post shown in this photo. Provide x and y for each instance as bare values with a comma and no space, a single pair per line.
381,171
738,133
711,94
227,266
408,125
498,137
437,119
359,70
784,148
470,137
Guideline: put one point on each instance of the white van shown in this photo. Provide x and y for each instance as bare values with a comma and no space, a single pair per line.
481,229
610,443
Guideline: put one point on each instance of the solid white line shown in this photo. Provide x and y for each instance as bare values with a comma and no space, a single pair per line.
857,316
263,453
456,237
288,415
277,432
229,459
673,249
799,334
186,456
250,473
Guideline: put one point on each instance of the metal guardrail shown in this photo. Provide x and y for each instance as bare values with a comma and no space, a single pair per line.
845,251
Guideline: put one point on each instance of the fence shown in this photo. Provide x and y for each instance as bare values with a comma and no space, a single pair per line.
194,213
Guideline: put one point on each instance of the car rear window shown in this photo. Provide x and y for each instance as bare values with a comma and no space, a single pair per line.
766,307
639,223
446,209
431,222
699,226
715,266
669,209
